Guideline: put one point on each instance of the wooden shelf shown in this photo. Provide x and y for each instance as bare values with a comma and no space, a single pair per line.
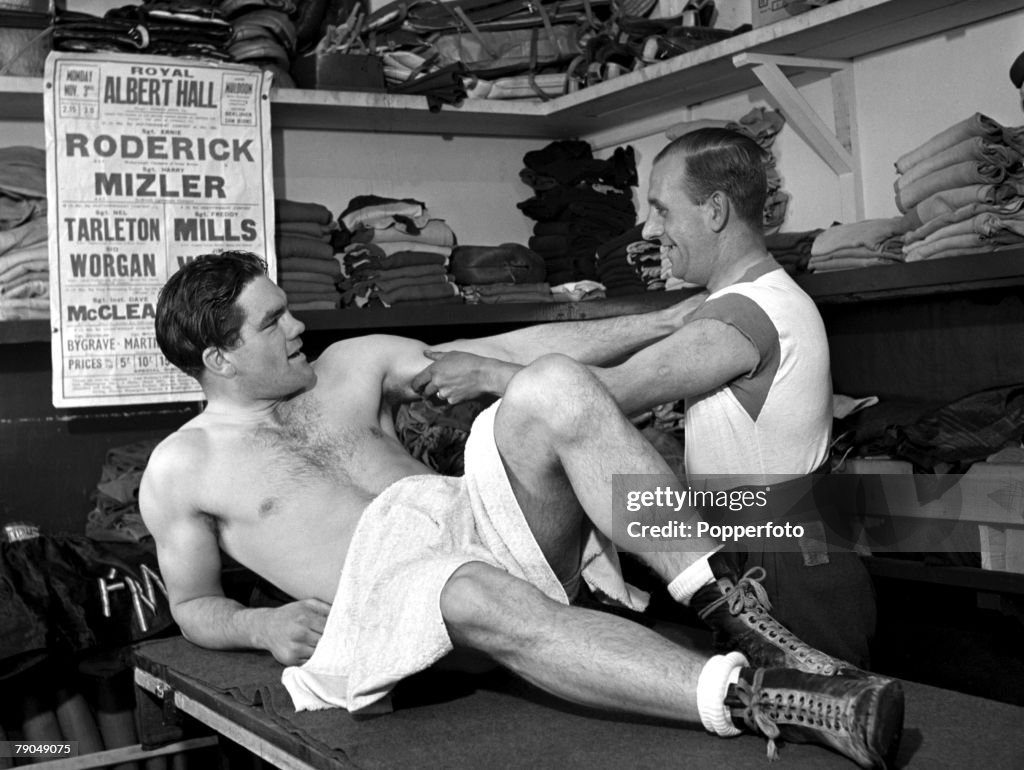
997,270
20,332
995,581
420,315
843,30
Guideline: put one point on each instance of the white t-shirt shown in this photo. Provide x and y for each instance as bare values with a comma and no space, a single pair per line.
776,420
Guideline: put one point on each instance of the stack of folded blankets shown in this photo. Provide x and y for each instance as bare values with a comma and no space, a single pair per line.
958,193
963,190
307,269
24,258
616,271
508,272
396,254
792,250
579,203
866,243
263,34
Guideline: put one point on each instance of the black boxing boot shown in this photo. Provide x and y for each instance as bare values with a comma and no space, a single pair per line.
861,718
737,610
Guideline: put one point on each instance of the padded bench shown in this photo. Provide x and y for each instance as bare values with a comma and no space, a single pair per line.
455,720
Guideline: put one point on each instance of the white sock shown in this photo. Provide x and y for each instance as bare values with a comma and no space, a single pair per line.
692,579
712,686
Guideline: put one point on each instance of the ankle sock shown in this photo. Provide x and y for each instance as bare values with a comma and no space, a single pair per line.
692,579
713,684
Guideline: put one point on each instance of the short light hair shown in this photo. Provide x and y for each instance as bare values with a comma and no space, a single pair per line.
720,159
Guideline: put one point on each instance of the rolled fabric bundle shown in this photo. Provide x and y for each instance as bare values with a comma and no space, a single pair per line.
505,263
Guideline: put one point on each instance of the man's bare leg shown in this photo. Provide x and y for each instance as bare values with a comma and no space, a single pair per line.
563,438
584,656
606,662
560,450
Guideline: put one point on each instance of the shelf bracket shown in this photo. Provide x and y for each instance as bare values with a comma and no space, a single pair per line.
835,148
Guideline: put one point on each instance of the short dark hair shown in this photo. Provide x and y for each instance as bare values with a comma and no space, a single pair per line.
723,159
197,307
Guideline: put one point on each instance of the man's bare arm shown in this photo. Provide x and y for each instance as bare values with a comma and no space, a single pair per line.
190,565
700,357
464,369
592,342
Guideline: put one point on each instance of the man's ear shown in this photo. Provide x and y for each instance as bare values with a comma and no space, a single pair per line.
217,363
717,208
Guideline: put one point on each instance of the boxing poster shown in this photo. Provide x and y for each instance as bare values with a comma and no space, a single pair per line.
151,161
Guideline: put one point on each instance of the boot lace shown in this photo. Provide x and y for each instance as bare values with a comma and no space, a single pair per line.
762,710
748,595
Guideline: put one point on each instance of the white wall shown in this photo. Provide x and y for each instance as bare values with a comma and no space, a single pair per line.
471,182
903,97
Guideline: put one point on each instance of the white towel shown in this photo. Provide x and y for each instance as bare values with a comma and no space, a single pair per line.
385,623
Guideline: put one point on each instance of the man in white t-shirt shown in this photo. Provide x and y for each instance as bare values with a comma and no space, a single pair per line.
752,365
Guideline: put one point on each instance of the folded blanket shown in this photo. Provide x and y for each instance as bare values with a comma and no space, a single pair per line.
418,293
23,171
975,125
377,212
30,233
308,229
297,211
24,260
362,261
968,211
385,623
292,286
21,309
391,248
307,275
952,199
832,263
301,246
873,235
17,211
436,231
973,148
951,177
329,266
